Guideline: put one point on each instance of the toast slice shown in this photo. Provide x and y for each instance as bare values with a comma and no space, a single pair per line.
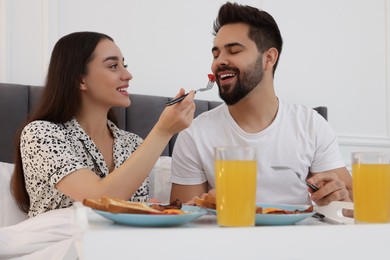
207,201
114,205
95,204
124,206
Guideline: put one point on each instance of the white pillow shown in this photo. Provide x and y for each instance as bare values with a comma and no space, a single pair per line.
10,214
160,186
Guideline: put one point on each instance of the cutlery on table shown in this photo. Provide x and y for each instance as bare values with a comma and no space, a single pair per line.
210,84
314,187
330,213
317,215
333,213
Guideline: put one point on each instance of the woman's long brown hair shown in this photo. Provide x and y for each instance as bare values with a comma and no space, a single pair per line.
61,96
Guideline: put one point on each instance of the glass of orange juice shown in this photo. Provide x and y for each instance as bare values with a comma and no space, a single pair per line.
371,187
235,180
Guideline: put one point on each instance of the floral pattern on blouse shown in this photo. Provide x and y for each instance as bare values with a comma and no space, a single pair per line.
52,151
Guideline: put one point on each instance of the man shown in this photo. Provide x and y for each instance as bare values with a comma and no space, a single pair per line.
246,51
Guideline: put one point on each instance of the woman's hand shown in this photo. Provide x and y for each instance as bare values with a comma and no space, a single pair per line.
179,116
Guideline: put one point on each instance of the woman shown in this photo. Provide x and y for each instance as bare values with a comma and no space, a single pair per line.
71,149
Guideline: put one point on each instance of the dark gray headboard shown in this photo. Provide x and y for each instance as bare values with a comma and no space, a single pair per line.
17,101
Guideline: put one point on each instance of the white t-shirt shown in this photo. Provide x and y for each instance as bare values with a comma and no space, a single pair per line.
299,138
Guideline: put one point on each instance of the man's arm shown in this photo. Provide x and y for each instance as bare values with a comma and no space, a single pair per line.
335,185
186,193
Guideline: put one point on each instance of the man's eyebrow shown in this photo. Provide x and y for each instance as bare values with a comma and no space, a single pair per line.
228,45
214,49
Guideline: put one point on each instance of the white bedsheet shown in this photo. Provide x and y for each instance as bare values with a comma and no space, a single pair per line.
55,234
51,235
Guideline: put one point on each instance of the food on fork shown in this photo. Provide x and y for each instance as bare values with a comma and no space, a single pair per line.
211,77
210,84
114,205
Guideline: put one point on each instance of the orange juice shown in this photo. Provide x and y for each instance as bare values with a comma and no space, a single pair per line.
371,192
235,192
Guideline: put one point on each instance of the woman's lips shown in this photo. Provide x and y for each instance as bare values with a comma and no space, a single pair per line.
123,91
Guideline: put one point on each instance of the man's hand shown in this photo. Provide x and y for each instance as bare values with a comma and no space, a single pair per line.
334,185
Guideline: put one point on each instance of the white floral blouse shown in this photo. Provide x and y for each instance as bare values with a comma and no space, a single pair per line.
52,151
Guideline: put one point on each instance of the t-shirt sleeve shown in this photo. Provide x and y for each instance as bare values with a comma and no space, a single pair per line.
47,154
186,164
327,155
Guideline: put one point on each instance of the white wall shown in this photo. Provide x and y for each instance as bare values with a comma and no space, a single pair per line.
336,52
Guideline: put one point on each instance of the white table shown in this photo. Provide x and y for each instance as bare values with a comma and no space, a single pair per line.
203,239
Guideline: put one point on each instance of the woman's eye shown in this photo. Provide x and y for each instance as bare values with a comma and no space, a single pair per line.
124,65
114,66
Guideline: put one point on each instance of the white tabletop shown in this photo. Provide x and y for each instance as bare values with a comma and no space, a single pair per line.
203,239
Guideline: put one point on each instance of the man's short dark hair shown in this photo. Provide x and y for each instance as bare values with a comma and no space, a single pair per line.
263,29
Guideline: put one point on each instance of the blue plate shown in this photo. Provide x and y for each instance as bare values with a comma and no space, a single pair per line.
281,219
278,219
149,220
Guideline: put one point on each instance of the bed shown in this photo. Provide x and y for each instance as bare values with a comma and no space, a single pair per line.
20,236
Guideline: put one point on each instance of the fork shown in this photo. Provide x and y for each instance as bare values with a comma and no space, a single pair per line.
314,187
210,84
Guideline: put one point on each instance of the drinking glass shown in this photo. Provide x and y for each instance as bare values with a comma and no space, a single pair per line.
371,187
235,176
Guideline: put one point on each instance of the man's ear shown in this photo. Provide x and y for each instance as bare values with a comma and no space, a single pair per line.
271,56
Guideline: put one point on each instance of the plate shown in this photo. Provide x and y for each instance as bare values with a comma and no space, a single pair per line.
281,219
150,220
278,219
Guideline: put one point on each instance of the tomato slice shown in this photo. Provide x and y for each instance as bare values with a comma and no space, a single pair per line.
211,77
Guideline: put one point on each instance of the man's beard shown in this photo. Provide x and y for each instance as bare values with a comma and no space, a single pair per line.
246,81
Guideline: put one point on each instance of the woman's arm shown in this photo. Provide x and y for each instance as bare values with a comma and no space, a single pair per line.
124,181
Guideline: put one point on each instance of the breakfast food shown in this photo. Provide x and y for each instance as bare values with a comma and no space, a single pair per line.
173,205
260,210
209,201
114,205
95,204
211,77
206,201
173,211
